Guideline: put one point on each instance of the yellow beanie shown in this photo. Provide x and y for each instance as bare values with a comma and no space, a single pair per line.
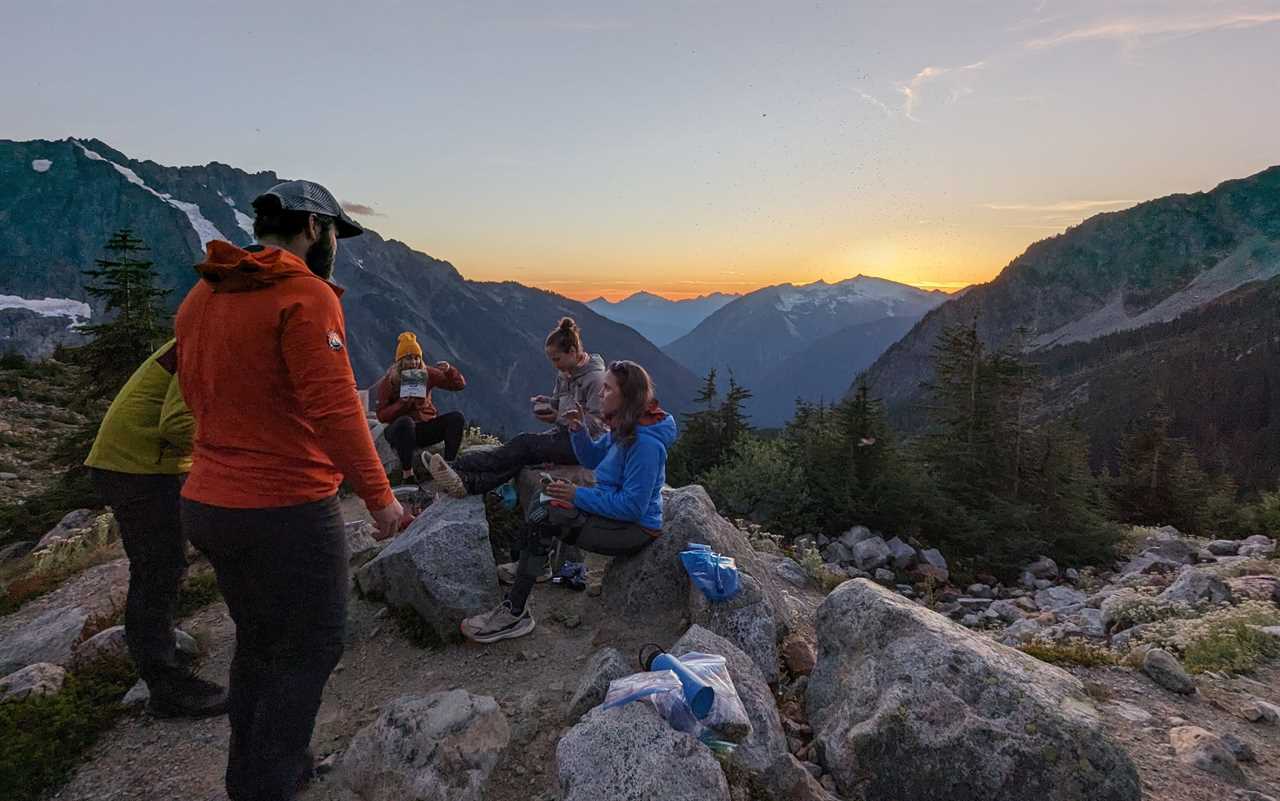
408,345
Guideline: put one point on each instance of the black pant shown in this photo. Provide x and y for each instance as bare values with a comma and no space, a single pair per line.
147,510
600,535
283,573
483,470
405,434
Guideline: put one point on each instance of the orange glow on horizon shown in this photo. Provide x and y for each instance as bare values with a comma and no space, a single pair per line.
614,295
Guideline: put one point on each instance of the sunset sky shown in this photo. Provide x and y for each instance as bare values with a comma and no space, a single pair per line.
595,148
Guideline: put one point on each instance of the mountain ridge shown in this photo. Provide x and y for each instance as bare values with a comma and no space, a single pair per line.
56,220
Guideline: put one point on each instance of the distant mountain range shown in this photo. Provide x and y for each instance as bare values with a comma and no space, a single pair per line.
63,199
786,341
1174,300
662,321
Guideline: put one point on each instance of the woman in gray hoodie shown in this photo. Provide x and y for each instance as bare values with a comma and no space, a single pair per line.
579,376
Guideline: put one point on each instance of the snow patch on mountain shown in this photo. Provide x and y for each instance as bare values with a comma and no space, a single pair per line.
49,307
243,220
205,230
41,165
860,289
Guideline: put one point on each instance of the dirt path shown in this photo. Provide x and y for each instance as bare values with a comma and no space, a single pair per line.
532,678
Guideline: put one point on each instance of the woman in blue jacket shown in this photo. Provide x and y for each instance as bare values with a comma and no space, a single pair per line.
619,516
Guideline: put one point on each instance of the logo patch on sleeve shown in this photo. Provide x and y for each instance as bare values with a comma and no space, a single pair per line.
335,341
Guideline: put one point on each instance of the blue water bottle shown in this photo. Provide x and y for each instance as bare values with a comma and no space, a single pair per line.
697,693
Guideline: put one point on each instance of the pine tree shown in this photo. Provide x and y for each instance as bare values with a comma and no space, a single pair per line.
701,444
138,321
733,420
1160,481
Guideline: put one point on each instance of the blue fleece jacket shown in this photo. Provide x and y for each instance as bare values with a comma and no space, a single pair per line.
629,479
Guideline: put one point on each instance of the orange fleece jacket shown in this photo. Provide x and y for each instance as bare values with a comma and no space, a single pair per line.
263,365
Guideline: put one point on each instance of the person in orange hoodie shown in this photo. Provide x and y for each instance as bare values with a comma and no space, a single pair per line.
414,422
263,366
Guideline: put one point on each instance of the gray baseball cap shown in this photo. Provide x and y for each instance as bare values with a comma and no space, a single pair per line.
312,197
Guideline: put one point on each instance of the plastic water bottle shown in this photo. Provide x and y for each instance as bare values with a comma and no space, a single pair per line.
697,694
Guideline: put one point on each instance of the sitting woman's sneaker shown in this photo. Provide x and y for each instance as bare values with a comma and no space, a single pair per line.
500,624
446,480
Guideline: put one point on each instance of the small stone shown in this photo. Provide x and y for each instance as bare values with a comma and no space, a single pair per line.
1259,711
828,783
884,576
1043,584
970,621
1071,574
1165,670
1201,749
138,696
1043,568
1241,750
38,679
800,653
980,591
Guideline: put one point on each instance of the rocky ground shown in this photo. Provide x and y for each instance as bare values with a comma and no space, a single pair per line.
863,673
33,418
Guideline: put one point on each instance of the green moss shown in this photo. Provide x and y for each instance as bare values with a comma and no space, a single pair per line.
1070,653
1236,648
45,737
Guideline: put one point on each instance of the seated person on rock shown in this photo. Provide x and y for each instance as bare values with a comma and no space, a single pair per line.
579,376
619,516
406,407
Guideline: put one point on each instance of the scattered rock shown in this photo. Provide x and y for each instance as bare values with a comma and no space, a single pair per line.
855,535
1130,712
789,779
606,665
629,753
1201,749
1149,562
1007,610
1255,588
1043,568
48,628
872,553
1062,600
934,559
67,527
442,566
884,576
766,742
791,572
981,591
1165,670
16,550
1241,750
904,704
360,542
1194,586
1257,547
1223,547
1021,632
41,678
837,553
747,620
902,554
110,643
1258,711
139,695
439,747
1088,622
800,653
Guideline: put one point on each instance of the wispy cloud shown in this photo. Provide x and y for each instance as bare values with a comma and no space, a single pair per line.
875,101
1060,206
1135,30
912,90
360,209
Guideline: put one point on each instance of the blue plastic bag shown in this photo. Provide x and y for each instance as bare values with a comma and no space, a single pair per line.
508,494
715,575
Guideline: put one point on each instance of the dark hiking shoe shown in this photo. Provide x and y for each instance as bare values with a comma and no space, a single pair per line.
187,697
500,624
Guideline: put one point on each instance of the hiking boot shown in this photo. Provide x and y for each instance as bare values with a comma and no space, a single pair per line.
186,697
446,480
507,573
500,624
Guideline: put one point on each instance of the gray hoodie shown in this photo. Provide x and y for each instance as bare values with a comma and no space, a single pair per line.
582,386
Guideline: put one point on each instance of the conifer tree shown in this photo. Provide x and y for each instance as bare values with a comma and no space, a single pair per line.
138,321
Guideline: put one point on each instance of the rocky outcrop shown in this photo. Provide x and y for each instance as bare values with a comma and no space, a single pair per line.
41,678
48,628
906,705
440,747
606,665
747,620
1204,750
442,566
629,753
1194,586
767,741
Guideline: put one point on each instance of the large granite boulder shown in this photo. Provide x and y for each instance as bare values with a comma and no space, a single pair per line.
767,741
906,705
48,628
386,453
747,620
71,524
653,586
440,747
871,554
442,566
629,753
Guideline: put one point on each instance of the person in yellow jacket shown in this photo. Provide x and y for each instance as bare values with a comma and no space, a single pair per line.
138,461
